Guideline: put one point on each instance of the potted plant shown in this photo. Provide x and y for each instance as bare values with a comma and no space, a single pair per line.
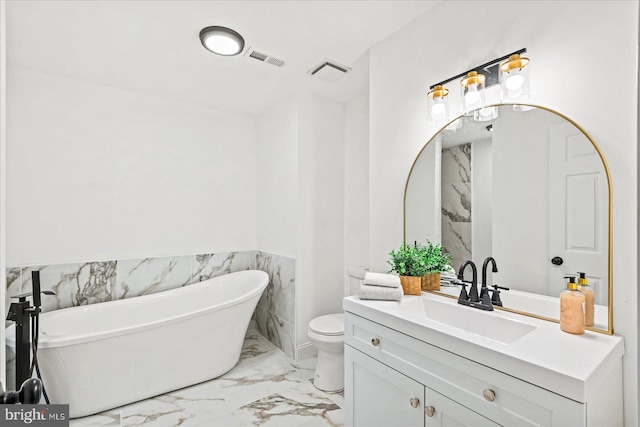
436,260
410,262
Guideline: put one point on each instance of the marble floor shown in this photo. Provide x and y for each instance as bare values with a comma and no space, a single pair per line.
265,388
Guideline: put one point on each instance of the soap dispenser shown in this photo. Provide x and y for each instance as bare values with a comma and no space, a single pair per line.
583,286
572,308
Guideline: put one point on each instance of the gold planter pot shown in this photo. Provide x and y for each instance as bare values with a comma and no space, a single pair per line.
411,285
430,282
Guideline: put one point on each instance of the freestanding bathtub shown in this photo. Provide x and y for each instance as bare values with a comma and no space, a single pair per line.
105,355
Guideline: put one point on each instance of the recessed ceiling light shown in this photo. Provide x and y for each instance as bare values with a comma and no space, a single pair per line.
222,41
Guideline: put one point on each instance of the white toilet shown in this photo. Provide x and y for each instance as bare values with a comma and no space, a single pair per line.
327,335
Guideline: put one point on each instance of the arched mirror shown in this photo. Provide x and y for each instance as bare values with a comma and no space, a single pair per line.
529,188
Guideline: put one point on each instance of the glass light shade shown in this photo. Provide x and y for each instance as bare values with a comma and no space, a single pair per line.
222,41
438,105
471,92
455,125
514,79
485,114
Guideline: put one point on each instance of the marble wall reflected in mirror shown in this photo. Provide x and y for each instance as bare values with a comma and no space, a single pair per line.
526,188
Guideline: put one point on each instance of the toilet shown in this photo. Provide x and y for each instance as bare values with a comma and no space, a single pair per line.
327,335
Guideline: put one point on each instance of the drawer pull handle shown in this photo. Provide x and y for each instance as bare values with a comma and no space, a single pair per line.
414,402
375,342
429,411
489,395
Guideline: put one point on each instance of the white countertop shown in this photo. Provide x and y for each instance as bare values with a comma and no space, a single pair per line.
570,365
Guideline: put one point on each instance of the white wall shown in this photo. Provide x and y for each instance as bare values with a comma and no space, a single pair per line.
521,202
424,207
99,173
3,121
356,186
277,178
572,45
301,199
320,258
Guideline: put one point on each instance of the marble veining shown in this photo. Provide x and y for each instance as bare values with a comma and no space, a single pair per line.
275,314
456,164
278,331
266,388
14,284
279,297
74,284
456,202
206,266
282,409
150,275
455,238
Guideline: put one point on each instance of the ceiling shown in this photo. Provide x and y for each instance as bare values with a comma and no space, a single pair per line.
153,47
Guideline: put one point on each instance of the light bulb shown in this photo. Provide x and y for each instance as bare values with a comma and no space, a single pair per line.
515,80
438,110
222,41
472,96
221,44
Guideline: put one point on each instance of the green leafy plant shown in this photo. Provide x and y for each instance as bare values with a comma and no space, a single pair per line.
437,258
418,260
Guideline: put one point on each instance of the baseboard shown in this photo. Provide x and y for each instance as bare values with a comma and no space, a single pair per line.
305,351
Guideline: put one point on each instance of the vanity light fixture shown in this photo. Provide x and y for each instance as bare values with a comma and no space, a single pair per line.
222,40
514,78
472,92
510,74
438,104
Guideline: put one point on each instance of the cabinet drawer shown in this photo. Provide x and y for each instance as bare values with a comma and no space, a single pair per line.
498,396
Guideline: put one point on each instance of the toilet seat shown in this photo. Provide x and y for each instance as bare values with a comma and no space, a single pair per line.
328,325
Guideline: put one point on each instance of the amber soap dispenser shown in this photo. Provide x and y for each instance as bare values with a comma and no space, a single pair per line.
583,286
572,308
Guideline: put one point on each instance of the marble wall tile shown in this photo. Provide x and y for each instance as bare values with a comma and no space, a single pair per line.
145,276
206,266
456,164
14,284
74,284
456,201
456,239
279,297
276,330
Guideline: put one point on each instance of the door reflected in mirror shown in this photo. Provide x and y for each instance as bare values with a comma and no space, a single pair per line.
530,189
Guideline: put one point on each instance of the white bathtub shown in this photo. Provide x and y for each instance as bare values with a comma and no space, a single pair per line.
105,355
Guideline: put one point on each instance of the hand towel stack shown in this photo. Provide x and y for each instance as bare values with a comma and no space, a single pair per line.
380,286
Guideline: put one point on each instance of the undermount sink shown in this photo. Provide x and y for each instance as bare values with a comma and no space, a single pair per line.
485,324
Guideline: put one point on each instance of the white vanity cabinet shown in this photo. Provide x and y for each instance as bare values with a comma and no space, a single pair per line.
395,379
385,397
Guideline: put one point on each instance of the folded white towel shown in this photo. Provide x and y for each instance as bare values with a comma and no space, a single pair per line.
381,279
380,293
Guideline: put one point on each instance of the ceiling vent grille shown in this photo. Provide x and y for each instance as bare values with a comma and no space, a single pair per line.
263,57
329,71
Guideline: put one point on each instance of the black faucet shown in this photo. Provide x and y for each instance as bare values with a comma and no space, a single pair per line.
472,299
464,299
485,289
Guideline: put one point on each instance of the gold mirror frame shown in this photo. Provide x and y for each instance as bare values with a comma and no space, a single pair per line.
609,330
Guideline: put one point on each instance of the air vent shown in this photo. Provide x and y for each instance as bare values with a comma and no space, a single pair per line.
263,57
329,71
259,56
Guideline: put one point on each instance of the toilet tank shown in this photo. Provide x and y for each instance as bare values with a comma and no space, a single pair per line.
356,274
